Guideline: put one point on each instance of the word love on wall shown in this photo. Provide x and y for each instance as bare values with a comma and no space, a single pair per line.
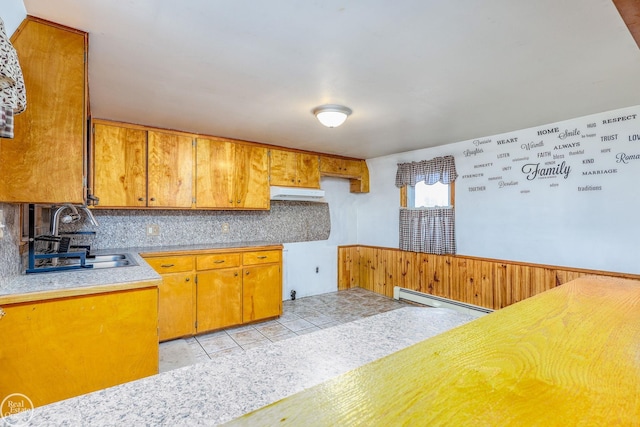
585,154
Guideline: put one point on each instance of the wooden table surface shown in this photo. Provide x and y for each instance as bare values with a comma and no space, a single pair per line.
569,356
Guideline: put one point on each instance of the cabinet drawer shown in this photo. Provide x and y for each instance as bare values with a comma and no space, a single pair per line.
212,261
172,264
262,257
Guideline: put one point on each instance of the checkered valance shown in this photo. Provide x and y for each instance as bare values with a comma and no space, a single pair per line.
442,169
429,230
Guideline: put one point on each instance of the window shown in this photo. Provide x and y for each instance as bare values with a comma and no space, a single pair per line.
427,218
429,196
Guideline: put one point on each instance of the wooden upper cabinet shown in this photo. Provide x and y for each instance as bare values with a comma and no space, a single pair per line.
355,170
252,177
215,173
231,175
45,161
292,169
340,167
138,168
170,170
119,166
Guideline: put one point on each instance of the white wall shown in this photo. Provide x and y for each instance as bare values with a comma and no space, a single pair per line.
587,220
302,259
12,13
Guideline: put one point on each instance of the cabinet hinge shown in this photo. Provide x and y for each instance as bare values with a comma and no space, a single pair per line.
196,324
193,200
193,142
196,279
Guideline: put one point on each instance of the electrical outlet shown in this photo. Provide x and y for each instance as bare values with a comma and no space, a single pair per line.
225,227
153,230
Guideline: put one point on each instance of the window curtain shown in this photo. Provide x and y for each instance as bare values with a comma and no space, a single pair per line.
429,230
439,169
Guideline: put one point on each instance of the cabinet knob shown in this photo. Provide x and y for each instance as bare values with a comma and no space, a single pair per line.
153,199
218,261
167,265
235,274
239,201
141,199
2,313
187,279
231,201
247,273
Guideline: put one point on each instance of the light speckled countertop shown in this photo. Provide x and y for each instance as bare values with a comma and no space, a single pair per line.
229,386
40,286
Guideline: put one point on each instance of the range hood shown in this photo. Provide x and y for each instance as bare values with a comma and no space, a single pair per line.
297,194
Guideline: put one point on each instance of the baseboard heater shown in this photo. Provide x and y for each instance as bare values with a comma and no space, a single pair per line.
439,302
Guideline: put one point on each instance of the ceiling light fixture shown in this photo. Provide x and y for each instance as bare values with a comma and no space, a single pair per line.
332,115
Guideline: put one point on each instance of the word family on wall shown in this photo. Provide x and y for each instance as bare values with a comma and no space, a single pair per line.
588,154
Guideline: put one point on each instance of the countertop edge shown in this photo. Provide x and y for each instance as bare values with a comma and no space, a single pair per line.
77,291
45,286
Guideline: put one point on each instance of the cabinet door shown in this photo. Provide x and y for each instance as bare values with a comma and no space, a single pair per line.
45,160
291,169
283,166
341,167
215,174
170,170
176,306
353,168
119,159
61,348
219,299
308,171
251,177
261,292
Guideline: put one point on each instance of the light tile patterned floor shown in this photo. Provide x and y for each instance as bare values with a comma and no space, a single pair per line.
299,317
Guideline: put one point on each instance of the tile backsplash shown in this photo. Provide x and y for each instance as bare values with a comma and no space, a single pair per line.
9,243
286,222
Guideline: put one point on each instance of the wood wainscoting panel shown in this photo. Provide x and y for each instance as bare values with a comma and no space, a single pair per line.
483,282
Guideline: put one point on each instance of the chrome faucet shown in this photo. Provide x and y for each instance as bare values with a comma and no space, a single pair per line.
70,217
90,216
67,219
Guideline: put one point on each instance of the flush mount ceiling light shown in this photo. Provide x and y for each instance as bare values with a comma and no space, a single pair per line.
332,115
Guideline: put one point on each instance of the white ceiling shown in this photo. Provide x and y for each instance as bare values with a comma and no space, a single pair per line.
417,73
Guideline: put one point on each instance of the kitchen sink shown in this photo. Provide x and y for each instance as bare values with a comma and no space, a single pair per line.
103,261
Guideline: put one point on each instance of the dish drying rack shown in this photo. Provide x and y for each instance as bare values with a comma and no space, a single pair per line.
47,250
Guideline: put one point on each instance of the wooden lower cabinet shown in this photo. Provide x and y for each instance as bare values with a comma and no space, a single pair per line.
219,299
176,306
261,292
208,290
61,348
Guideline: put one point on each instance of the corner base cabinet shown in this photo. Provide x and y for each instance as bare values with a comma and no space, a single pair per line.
213,289
60,348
